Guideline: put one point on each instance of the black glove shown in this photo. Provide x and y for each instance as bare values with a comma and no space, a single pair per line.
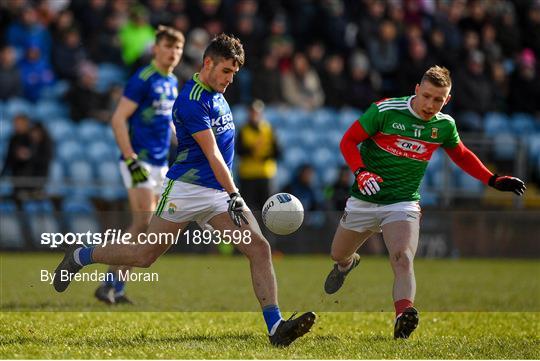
236,209
507,184
139,174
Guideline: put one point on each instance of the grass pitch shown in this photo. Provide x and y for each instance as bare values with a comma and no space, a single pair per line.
475,309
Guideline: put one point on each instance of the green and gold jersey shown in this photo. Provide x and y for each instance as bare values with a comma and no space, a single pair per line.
400,147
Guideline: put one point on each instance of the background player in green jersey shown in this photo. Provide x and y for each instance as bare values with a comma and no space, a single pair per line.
398,137
142,124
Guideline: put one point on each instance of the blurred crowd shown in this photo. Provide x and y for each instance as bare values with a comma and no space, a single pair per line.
304,53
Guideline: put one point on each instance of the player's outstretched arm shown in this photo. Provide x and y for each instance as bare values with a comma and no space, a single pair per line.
208,144
469,162
124,110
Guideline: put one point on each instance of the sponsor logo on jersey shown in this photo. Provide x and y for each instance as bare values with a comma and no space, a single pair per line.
405,147
398,126
411,146
222,123
163,106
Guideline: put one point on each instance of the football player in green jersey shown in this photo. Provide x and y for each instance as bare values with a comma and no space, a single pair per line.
398,137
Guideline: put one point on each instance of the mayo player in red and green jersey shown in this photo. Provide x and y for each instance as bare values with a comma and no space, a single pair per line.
399,136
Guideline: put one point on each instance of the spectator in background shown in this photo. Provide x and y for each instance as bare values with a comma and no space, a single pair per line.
336,194
89,16
36,73
501,87
63,22
196,43
525,85
316,53
415,65
532,28
301,85
181,23
471,43
362,89
18,161
136,36
334,82
258,150
158,13
302,187
490,47
447,19
333,25
279,42
10,77
370,22
383,53
28,32
84,99
472,93
248,31
68,55
107,47
440,51
475,18
267,81
508,32
202,12
42,154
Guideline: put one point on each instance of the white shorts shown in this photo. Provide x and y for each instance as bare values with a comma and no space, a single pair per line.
157,175
184,202
361,216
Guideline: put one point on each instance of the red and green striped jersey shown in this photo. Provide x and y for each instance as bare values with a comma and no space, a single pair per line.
400,147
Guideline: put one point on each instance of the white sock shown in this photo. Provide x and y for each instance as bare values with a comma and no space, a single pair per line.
343,269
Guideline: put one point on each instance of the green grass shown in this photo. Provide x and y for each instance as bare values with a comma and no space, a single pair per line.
216,297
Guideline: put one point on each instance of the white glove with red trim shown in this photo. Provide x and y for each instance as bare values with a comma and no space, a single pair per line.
368,182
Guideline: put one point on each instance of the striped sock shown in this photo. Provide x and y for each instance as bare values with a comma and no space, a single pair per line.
83,255
119,287
110,278
272,317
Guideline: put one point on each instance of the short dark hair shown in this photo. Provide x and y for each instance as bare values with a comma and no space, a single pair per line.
170,34
438,76
226,47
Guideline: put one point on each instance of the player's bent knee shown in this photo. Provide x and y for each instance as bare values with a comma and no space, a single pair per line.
258,248
146,261
402,261
145,257
337,257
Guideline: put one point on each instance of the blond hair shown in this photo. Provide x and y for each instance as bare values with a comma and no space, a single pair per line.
438,76
170,34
